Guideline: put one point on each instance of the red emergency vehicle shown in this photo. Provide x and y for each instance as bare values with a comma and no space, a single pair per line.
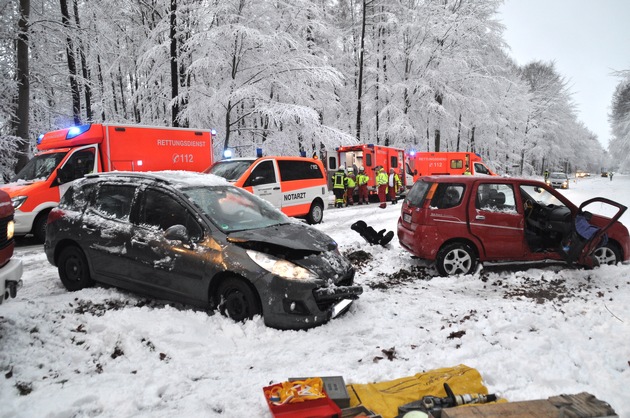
68,154
10,268
370,156
446,163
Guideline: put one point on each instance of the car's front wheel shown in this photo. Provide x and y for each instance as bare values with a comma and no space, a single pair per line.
608,254
315,214
237,300
74,271
456,258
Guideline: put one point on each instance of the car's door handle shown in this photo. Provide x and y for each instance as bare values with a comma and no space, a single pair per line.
276,188
480,218
138,241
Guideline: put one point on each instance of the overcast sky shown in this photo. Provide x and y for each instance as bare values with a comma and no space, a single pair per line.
587,39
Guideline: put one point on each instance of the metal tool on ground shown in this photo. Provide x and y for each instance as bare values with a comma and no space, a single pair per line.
433,405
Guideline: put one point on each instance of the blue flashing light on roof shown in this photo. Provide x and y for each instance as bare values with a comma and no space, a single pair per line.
213,132
39,138
77,130
259,152
302,153
412,152
370,145
227,154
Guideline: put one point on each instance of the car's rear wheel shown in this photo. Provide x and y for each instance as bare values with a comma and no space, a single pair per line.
237,300
456,258
74,271
608,254
315,213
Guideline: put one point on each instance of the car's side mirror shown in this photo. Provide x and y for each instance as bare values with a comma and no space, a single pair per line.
177,232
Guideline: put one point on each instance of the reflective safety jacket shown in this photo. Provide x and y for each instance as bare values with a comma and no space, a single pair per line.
350,180
339,180
381,178
362,179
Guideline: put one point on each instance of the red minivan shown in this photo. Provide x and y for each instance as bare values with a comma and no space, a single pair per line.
10,268
459,221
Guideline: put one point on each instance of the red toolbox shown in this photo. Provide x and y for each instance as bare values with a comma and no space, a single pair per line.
314,408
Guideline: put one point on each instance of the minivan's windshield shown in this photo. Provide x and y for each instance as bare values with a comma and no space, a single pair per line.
540,195
40,167
231,170
232,209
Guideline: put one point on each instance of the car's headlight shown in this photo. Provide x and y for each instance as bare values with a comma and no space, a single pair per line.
282,268
17,201
10,230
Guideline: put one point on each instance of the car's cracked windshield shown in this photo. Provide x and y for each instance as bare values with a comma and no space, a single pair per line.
232,209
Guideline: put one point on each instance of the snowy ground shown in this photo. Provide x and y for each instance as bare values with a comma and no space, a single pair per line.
531,333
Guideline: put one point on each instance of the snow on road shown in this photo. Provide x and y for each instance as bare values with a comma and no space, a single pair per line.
532,333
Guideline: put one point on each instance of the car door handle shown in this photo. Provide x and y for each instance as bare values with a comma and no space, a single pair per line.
138,241
480,218
276,188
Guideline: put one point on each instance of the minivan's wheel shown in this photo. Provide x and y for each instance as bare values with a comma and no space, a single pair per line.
237,300
315,214
73,269
456,258
39,227
608,254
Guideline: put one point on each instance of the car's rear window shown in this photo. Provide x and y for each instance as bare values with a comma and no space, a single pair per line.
417,193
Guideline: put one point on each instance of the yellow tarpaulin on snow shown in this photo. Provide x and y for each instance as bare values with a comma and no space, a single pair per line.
384,398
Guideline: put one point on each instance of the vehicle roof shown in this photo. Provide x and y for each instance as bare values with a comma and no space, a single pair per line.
479,179
175,178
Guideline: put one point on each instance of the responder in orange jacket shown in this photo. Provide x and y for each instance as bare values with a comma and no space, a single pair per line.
339,186
362,183
393,184
381,184
350,185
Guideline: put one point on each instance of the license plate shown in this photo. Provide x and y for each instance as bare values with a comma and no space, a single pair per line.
407,217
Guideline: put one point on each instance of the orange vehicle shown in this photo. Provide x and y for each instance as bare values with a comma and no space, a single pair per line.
446,163
295,185
68,154
370,156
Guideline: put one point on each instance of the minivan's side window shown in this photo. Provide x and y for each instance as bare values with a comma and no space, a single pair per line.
495,198
114,200
163,211
299,170
447,196
263,173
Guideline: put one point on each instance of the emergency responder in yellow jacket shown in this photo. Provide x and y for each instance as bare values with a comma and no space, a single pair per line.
381,184
339,186
362,183
350,185
393,184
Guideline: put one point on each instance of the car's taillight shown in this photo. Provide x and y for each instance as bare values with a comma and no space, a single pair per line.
55,215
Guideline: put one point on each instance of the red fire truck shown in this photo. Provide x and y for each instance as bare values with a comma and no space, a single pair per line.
370,156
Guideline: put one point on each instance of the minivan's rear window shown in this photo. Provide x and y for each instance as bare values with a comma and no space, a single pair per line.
417,193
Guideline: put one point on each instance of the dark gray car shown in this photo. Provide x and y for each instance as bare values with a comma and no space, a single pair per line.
195,239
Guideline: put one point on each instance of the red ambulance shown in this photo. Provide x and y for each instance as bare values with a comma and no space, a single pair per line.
68,154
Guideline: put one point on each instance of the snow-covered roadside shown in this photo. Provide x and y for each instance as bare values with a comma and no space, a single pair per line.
532,334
